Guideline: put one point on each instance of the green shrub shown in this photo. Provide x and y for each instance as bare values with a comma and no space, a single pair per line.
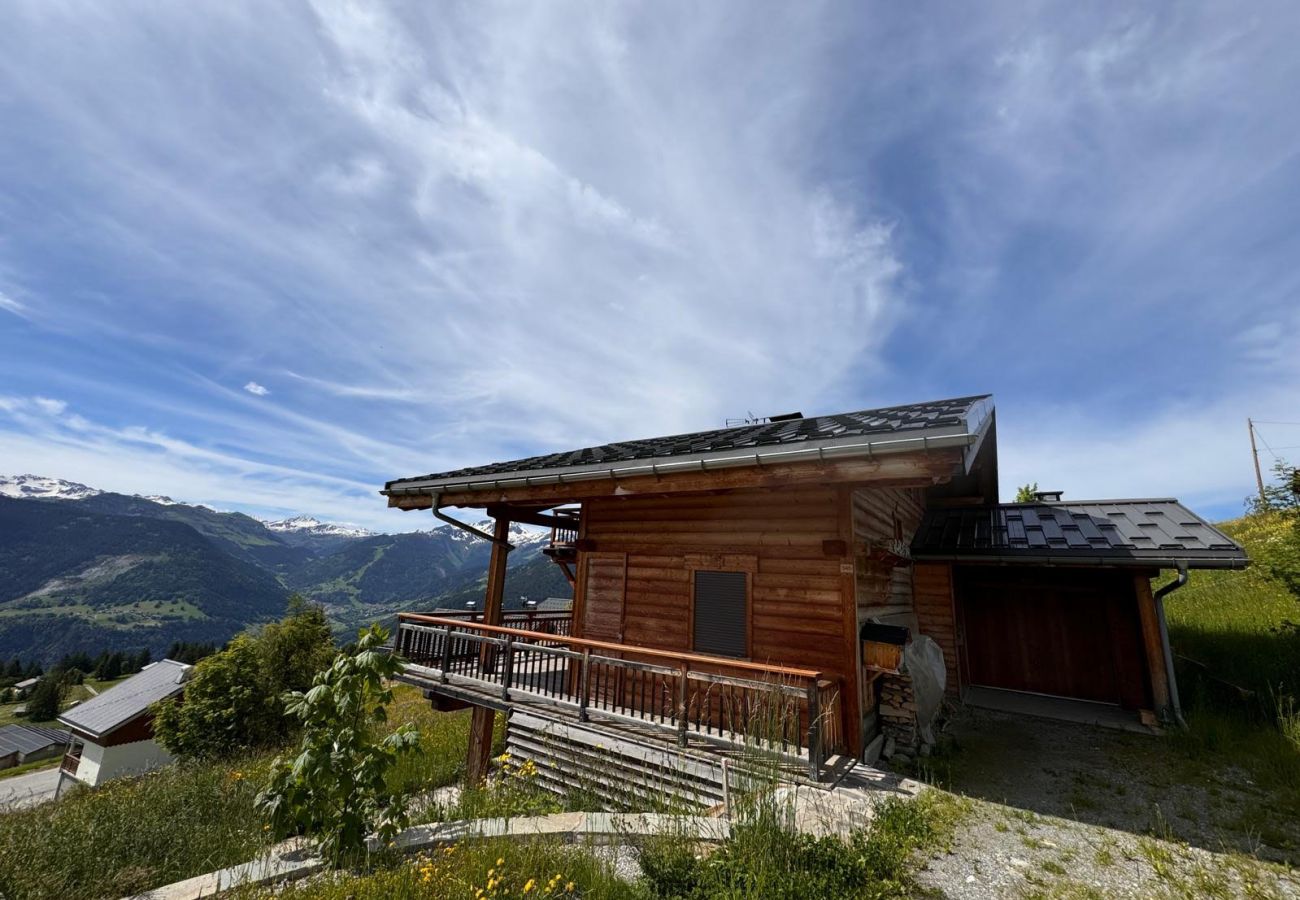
336,790
131,835
234,701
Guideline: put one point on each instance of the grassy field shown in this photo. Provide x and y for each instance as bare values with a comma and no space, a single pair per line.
134,834
764,858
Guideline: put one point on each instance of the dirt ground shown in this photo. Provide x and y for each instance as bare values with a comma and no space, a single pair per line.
1135,786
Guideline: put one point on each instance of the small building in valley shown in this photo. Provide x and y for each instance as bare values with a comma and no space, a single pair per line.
112,733
717,570
21,744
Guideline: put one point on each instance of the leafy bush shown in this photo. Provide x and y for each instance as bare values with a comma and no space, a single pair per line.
130,835
337,789
235,700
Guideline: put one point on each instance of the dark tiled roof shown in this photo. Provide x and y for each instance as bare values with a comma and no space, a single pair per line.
1135,532
30,738
898,421
125,701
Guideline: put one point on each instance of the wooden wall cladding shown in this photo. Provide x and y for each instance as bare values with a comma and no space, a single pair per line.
936,615
883,516
797,599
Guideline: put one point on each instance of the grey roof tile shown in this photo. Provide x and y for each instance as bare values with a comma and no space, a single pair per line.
125,701
1149,532
893,420
30,738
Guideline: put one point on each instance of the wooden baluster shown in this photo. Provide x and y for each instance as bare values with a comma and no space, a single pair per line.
683,671
509,665
814,734
446,652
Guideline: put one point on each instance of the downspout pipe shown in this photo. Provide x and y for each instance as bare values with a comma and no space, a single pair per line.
1159,597
466,527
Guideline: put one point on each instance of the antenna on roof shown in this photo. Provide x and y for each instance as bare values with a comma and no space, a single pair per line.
752,419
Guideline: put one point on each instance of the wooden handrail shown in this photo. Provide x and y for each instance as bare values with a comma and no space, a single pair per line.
746,665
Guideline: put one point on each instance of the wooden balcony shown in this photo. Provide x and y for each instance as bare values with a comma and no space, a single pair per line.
791,713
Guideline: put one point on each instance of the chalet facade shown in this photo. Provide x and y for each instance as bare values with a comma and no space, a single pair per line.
112,733
707,566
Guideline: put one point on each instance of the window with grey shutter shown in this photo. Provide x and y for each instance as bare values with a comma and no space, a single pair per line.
721,613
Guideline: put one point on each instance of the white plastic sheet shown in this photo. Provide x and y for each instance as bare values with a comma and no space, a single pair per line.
923,659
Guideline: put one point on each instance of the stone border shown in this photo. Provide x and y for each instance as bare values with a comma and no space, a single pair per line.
816,809
293,861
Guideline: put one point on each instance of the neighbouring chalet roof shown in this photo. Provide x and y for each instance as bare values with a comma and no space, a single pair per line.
959,422
1161,533
126,701
555,604
26,739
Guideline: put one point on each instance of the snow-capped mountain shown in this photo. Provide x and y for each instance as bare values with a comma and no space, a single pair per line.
520,534
39,487
310,525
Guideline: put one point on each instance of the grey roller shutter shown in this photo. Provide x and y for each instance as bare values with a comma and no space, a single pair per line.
721,613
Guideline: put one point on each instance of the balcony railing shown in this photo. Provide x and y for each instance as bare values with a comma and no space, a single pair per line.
791,712
557,622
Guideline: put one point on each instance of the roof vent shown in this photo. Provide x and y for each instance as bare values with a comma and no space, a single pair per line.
1048,496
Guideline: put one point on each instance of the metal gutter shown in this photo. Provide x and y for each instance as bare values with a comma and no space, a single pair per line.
466,527
1159,562
699,463
1159,596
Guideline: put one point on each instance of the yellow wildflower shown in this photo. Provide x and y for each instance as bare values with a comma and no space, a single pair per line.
501,862
569,887
529,885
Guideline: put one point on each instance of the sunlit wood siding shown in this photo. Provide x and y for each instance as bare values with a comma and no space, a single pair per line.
793,542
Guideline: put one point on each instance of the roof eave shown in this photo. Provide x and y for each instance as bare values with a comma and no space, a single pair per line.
1056,559
814,451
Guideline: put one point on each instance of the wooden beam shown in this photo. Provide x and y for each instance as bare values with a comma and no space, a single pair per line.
1155,651
530,516
911,469
482,718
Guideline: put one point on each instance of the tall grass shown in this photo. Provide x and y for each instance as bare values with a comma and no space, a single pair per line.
474,869
134,834
1238,669
130,835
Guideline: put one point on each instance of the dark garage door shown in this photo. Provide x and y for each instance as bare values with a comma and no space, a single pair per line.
1066,632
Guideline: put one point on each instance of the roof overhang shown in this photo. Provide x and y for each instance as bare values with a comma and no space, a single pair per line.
966,437
1134,533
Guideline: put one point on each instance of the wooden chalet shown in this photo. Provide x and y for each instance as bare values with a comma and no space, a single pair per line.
722,581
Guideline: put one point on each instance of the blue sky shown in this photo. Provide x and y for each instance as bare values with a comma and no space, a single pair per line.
266,256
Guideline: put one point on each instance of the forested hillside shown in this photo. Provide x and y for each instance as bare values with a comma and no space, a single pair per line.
82,570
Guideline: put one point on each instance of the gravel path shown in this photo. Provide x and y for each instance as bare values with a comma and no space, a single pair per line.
1003,851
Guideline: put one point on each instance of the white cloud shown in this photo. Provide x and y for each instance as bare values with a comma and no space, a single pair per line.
256,389
9,304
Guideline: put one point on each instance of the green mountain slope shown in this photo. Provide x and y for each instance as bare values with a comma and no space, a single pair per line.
73,578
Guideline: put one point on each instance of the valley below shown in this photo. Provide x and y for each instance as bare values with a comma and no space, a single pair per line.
82,569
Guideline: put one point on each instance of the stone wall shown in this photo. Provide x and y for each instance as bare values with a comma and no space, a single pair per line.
898,712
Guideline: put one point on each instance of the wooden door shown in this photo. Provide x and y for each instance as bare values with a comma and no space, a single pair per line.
1061,632
606,587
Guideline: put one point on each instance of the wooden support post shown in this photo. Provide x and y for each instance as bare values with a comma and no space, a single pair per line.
483,718
1155,651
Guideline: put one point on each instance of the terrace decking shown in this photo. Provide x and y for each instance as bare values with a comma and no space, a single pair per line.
702,707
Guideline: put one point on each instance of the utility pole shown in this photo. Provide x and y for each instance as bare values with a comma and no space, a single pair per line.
1254,453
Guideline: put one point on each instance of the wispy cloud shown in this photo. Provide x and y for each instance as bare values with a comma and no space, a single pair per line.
454,235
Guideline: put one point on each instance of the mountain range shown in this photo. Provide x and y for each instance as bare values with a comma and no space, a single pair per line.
84,569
